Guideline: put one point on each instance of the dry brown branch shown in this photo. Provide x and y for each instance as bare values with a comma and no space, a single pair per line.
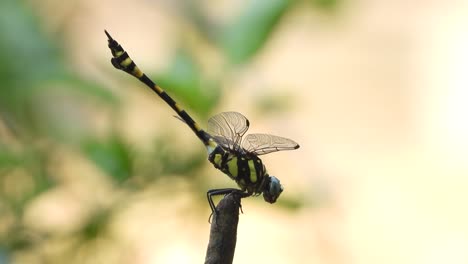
223,232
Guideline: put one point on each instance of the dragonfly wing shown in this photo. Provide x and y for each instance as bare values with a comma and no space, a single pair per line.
261,144
227,129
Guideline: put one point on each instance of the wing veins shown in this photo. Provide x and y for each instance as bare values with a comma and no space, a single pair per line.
261,144
227,129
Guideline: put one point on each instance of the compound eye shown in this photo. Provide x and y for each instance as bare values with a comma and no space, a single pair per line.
275,186
274,190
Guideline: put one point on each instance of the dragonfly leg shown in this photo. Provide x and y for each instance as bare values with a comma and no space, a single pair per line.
224,191
242,195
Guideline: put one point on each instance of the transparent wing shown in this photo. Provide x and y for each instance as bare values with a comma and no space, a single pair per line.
261,144
227,129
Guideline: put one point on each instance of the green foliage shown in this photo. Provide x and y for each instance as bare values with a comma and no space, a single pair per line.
291,203
274,103
112,155
23,47
4,259
9,159
31,62
250,31
170,161
188,85
326,4
32,69
96,225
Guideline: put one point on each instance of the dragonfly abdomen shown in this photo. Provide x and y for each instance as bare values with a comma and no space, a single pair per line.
122,61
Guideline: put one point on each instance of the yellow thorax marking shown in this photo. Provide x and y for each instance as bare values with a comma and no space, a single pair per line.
253,172
232,166
217,159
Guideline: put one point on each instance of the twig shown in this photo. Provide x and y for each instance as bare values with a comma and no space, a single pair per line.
223,232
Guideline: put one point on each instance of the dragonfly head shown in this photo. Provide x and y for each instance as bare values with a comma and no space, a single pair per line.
273,189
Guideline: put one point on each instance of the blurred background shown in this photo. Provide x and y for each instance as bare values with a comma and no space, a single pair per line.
94,168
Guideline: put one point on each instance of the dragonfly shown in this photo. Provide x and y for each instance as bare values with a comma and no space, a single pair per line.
228,150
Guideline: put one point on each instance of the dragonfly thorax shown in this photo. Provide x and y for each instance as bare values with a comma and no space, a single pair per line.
245,168
237,156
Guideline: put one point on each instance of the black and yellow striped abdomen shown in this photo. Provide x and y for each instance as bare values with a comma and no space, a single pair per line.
122,61
246,169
